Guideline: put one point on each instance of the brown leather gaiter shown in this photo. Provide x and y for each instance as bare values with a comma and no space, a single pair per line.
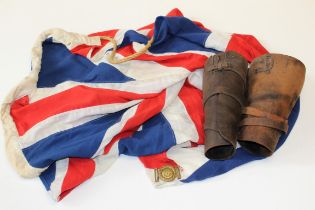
224,83
274,85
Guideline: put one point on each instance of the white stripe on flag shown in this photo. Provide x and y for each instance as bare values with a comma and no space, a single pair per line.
139,87
68,120
61,171
104,162
149,70
218,41
188,158
196,78
186,129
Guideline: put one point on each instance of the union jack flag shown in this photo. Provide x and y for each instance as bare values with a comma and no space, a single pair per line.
75,113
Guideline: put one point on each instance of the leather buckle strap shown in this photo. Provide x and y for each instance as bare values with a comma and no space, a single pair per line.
263,118
224,62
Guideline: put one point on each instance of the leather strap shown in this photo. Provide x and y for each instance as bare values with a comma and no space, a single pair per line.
242,76
256,121
223,90
225,63
226,67
262,118
259,113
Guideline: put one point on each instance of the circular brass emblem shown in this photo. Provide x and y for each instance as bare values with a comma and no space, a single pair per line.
167,173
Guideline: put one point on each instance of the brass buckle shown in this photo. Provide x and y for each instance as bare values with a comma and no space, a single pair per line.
166,173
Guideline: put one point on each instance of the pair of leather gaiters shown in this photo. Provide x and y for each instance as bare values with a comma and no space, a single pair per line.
248,105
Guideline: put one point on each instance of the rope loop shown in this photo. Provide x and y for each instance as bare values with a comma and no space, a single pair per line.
111,57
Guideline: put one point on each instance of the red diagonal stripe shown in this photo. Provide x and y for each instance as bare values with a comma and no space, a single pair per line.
26,115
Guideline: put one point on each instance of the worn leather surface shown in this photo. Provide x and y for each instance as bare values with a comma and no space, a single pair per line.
274,85
224,84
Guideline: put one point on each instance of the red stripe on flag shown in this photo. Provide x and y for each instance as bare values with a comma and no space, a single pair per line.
82,50
79,170
150,26
157,160
110,33
118,137
246,45
192,99
26,115
175,12
200,25
189,61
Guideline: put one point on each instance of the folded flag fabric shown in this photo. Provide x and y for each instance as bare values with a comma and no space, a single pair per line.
75,112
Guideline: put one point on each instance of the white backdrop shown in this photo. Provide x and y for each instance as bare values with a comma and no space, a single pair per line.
284,181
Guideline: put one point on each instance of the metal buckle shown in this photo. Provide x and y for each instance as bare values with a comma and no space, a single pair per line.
167,173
